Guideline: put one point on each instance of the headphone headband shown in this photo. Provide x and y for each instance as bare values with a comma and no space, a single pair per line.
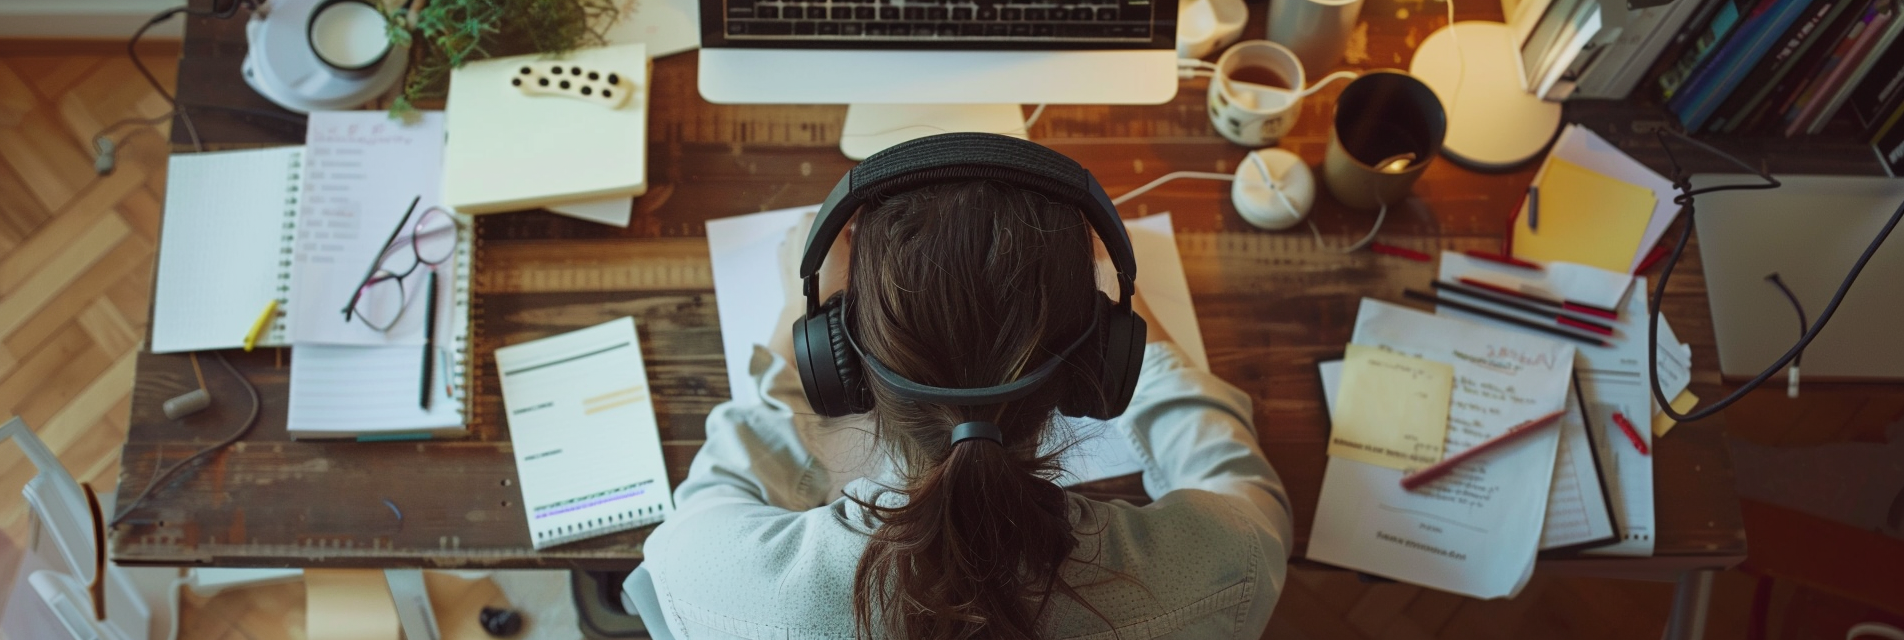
1023,386
955,157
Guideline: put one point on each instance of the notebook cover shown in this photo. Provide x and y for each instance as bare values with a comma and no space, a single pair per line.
509,151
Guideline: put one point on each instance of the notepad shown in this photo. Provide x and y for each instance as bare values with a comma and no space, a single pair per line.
582,423
1585,217
341,392
224,247
1393,409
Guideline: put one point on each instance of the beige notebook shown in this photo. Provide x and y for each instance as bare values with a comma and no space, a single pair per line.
517,143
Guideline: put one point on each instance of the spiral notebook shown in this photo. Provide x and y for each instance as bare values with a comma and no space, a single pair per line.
225,248
582,424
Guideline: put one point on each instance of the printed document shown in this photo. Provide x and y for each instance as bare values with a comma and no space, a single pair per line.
581,419
1476,530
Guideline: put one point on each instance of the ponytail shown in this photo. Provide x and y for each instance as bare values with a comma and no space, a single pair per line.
975,550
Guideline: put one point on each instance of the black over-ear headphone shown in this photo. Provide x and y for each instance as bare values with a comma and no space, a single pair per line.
828,356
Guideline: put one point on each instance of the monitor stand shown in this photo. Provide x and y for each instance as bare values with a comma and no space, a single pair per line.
871,128
1493,123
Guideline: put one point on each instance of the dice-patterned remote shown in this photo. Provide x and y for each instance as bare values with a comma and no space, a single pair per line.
605,88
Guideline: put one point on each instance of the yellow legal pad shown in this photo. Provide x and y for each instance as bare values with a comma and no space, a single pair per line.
1391,409
1585,217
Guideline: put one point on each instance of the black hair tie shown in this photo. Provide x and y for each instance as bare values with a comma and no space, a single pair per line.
976,429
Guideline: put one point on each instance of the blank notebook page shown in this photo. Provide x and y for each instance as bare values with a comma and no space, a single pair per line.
220,246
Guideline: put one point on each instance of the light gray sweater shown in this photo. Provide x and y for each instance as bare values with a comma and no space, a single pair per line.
763,544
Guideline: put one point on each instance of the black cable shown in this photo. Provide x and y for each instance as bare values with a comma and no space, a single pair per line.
1797,307
132,52
1687,193
161,477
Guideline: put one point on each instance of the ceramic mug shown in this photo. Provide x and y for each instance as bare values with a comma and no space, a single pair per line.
1388,128
1256,93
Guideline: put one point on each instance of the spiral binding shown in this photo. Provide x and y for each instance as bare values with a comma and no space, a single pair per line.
465,315
287,243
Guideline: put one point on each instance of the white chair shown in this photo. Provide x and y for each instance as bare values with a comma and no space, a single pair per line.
52,593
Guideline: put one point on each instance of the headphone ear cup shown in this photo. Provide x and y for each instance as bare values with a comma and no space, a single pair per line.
1118,361
855,396
829,370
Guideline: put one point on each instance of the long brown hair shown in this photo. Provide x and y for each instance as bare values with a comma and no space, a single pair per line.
969,285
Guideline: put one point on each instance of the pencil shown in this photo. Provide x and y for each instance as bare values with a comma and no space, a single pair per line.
1569,305
1564,333
1559,315
1428,474
257,326
429,341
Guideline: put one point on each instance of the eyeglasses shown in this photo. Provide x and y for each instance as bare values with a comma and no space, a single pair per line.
380,297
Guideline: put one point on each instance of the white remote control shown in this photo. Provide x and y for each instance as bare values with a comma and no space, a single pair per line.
606,88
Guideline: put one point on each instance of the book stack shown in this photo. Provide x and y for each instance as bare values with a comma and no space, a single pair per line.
1788,67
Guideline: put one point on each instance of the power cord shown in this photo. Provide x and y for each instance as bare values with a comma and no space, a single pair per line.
1683,182
103,143
161,477
1791,376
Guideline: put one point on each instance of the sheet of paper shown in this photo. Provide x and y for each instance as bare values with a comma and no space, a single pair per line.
1586,218
1662,424
613,212
348,604
1474,532
582,423
362,170
220,246
1614,379
1581,146
745,255
343,392
1393,410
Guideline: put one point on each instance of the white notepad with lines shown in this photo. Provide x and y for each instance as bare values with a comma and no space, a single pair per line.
224,247
582,422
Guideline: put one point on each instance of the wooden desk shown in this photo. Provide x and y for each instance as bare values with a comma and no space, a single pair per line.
1269,303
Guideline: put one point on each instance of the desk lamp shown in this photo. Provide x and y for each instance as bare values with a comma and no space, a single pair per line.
314,55
1495,118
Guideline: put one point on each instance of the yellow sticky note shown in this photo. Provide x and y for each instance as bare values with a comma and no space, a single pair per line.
1585,217
1391,410
1681,404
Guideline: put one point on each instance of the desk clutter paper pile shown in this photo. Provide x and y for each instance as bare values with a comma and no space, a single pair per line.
1415,388
747,291
298,230
1592,204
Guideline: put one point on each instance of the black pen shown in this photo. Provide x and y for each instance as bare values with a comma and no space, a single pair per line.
429,339
1429,297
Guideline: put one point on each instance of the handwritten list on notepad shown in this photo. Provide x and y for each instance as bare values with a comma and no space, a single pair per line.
1393,411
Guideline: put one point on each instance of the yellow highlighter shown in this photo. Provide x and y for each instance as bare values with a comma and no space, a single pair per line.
264,320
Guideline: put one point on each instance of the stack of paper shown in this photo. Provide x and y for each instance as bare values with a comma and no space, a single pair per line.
1614,379
1598,206
1475,531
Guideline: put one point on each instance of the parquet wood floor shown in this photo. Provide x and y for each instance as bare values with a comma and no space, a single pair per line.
76,264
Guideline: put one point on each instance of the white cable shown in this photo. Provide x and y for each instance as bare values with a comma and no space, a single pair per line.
1201,175
1339,75
1359,244
1878,629
1033,119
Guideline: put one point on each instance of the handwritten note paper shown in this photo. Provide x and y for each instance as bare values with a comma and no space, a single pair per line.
1393,410
1475,531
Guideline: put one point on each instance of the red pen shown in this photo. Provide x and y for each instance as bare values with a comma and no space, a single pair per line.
1392,250
1428,474
1545,302
1631,433
1501,259
1658,253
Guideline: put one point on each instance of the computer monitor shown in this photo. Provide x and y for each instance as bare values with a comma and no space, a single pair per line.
913,68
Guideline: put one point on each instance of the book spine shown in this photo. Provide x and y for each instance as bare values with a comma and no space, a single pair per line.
1865,60
1819,48
1880,93
1766,74
1827,89
1802,98
1713,34
1729,77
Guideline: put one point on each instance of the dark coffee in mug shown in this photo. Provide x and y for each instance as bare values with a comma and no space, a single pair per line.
1259,75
